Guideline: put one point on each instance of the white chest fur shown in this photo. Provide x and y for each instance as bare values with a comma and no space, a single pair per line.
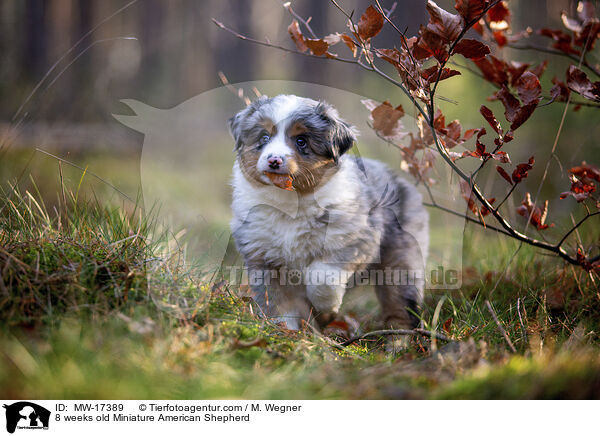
290,230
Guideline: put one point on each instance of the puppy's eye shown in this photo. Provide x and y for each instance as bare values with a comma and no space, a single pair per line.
301,142
263,140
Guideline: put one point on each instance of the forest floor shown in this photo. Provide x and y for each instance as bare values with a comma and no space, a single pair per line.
93,308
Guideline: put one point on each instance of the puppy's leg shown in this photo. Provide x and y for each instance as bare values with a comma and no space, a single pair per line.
325,288
401,291
278,300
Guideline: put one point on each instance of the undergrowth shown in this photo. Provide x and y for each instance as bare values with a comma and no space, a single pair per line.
97,303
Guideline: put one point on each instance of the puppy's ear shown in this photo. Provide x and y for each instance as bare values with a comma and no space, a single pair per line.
342,134
236,123
234,126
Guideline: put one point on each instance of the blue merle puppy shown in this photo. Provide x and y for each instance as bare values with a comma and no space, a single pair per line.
309,219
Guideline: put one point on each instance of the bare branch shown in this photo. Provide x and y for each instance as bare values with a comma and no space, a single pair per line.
556,52
279,47
575,227
413,332
306,24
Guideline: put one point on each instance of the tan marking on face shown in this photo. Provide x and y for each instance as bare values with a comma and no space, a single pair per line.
311,173
248,159
296,129
308,172
268,125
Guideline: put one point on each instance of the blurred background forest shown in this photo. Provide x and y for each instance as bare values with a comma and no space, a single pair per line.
178,50
165,52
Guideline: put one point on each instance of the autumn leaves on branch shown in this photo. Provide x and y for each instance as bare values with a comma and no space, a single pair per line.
419,63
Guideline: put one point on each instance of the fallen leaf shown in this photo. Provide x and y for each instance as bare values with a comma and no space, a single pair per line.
283,181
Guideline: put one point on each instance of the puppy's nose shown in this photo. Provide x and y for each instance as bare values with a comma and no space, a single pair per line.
274,162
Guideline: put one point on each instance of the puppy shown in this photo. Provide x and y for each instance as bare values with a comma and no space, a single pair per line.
309,219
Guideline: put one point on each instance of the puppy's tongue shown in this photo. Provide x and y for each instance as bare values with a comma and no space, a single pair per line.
283,181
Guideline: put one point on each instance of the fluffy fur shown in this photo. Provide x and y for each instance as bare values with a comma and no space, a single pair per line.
346,216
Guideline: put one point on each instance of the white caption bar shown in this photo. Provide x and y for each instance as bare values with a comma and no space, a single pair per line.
90,418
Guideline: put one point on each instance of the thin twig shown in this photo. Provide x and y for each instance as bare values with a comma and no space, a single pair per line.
413,332
306,24
563,239
506,338
279,47
507,195
555,52
523,331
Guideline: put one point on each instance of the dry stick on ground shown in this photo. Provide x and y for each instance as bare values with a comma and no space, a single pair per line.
414,332
523,330
506,338
428,117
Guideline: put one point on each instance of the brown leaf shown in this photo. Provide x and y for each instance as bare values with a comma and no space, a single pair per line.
283,181
578,82
493,69
491,119
385,119
471,48
521,171
350,43
447,325
499,16
529,88
318,47
501,156
470,9
586,171
537,216
297,37
370,23
504,174
582,181
510,102
515,70
467,194
431,73
500,38
559,92
588,35
514,112
562,40
430,44
442,23
484,211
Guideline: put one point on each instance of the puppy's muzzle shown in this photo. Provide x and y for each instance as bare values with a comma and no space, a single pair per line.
275,162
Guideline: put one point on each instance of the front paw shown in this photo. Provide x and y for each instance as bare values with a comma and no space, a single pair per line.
325,286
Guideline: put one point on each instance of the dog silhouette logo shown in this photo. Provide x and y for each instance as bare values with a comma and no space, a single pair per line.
26,415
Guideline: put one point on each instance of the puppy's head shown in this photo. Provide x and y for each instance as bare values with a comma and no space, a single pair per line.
290,139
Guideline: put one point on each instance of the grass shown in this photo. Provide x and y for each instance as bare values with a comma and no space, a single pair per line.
97,302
